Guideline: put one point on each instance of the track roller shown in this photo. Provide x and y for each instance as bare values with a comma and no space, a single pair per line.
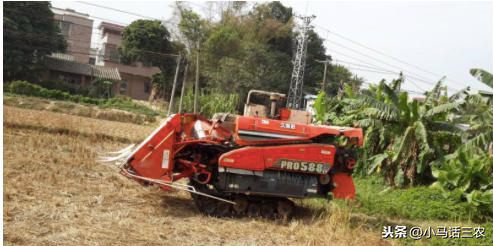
241,205
251,206
223,209
285,208
268,209
208,206
253,209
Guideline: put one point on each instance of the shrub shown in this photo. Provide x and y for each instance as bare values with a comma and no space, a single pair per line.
126,103
101,88
123,103
63,86
468,172
23,88
211,102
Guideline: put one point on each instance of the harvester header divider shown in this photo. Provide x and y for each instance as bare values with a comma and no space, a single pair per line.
177,186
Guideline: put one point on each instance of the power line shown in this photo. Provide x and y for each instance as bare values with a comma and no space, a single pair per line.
373,66
416,76
370,57
383,72
43,37
382,53
148,17
409,91
365,66
377,51
405,71
117,10
128,12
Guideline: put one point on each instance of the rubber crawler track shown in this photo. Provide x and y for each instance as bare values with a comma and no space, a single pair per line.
246,206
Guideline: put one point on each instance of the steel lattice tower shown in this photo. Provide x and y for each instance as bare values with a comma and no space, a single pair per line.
295,93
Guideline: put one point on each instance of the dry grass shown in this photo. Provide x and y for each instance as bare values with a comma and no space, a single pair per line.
56,194
56,122
77,109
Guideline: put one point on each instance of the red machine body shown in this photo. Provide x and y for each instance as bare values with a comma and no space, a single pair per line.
247,157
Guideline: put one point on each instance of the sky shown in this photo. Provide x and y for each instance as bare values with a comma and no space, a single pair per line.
374,39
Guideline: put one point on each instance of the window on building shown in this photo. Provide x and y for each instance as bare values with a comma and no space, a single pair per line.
123,86
65,27
100,56
147,87
114,55
92,60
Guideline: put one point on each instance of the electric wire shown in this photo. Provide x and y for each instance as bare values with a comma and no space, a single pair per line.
381,53
417,77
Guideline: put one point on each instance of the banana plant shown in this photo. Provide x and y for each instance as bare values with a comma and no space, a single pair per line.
469,171
406,129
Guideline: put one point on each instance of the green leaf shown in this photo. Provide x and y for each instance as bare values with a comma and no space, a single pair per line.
444,108
404,143
483,76
376,161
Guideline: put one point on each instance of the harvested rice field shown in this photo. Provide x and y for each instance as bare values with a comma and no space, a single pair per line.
55,193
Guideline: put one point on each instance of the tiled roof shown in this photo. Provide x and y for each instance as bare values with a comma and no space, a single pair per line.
68,66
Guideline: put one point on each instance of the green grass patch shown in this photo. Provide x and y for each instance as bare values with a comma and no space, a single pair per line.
425,203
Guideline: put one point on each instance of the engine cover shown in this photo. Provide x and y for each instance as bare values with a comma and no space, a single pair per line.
270,183
304,158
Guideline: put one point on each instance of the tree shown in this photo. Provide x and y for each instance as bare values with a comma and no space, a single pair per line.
191,26
254,50
314,71
101,88
30,33
272,15
240,52
148,41
338,76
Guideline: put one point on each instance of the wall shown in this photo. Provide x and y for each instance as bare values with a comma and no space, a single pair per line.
136,74
135,86
130,69
79,36
111,37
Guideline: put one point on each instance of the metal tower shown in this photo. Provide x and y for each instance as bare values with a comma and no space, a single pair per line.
295,93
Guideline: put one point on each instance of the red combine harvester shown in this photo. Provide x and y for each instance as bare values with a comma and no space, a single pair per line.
247,165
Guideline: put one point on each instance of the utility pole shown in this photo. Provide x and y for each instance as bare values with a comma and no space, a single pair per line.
195,99
183,87
325,71
296,86
340,91
178,61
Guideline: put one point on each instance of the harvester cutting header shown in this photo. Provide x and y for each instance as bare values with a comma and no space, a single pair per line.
249,164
